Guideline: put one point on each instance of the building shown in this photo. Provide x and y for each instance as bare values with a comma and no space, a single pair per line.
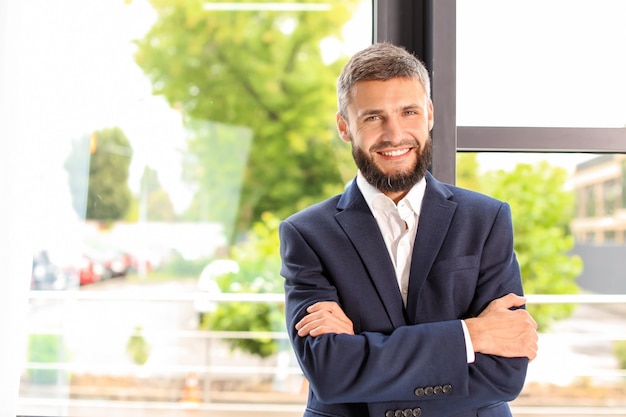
599,224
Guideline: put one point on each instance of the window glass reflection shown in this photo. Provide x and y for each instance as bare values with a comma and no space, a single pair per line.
170,148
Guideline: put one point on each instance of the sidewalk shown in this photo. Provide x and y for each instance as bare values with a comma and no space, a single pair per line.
580,346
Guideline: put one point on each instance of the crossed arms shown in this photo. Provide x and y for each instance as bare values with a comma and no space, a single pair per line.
501,329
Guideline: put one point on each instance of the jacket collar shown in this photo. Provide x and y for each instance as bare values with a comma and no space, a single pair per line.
357,221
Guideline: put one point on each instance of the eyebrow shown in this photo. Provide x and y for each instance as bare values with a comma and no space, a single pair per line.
369,112
377,112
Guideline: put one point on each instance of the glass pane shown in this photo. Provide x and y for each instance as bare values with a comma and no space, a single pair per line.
568,215
546,63
171,137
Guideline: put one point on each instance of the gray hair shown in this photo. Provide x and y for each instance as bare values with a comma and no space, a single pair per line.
381,61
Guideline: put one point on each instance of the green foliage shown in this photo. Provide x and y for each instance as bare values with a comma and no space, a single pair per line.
259,263
45,348
619,348
211,146
260,70
467,171
137,347
154,202
98,168
178,266
542,210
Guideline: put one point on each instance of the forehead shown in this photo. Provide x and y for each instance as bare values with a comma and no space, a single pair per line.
377,92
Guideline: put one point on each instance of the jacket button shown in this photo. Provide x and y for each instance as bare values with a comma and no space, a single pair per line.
399,413
447,388
389,413
417,412
428,391
419,392
438,390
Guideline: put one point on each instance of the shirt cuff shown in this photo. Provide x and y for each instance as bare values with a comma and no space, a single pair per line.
469,347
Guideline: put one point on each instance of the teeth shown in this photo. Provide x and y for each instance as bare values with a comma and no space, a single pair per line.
396,152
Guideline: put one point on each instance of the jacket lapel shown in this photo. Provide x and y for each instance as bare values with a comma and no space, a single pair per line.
357,221
435,218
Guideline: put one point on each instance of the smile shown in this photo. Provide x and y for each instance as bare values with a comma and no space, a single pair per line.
397,152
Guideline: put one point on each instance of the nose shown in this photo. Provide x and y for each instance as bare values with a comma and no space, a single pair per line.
393,129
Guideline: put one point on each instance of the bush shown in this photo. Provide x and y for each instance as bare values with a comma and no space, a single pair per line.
45,348
619,348
259,263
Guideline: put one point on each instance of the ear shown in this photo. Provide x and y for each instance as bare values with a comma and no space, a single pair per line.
431,115
342,127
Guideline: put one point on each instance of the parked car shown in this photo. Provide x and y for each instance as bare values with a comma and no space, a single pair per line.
99,264
47,275
91,270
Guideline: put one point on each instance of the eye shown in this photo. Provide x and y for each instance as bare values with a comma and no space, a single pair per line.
372,118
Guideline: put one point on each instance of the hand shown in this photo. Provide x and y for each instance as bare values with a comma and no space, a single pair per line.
500,331
324,317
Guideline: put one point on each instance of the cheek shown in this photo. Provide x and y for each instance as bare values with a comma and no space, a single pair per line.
361,139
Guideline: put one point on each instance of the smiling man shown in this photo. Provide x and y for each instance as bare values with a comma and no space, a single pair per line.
392,120
403,294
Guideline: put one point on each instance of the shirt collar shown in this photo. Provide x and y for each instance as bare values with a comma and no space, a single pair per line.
414,197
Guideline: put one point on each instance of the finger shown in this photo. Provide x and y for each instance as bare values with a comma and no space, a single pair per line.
319,327
305,328
510,300
330,307
323,322
309,318
315,319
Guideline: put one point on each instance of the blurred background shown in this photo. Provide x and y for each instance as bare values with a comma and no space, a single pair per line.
161,143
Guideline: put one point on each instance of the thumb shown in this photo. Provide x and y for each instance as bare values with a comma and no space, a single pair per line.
512,300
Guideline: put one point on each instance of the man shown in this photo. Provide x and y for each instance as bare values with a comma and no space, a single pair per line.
403,294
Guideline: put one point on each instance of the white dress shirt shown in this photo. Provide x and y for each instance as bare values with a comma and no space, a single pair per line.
398,225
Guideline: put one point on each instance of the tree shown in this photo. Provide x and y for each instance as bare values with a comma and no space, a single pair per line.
261,69
467,171
108,196
542,210
219,168
153,199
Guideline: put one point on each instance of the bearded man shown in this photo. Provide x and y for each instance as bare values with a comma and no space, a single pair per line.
403,294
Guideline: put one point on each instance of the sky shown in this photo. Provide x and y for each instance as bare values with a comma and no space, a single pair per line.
557,63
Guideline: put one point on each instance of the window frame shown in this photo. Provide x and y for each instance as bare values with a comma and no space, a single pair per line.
428,28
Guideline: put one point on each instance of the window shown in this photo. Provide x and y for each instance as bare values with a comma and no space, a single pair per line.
72,83
518,92
156,136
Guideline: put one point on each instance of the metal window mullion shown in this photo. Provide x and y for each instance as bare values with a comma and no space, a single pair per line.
541,139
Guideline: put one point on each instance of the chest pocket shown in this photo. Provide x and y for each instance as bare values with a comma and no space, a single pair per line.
450,286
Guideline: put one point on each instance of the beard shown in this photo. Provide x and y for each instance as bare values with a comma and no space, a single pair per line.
398,182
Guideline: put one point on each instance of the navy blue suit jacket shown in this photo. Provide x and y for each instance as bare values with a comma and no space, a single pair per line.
409,360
